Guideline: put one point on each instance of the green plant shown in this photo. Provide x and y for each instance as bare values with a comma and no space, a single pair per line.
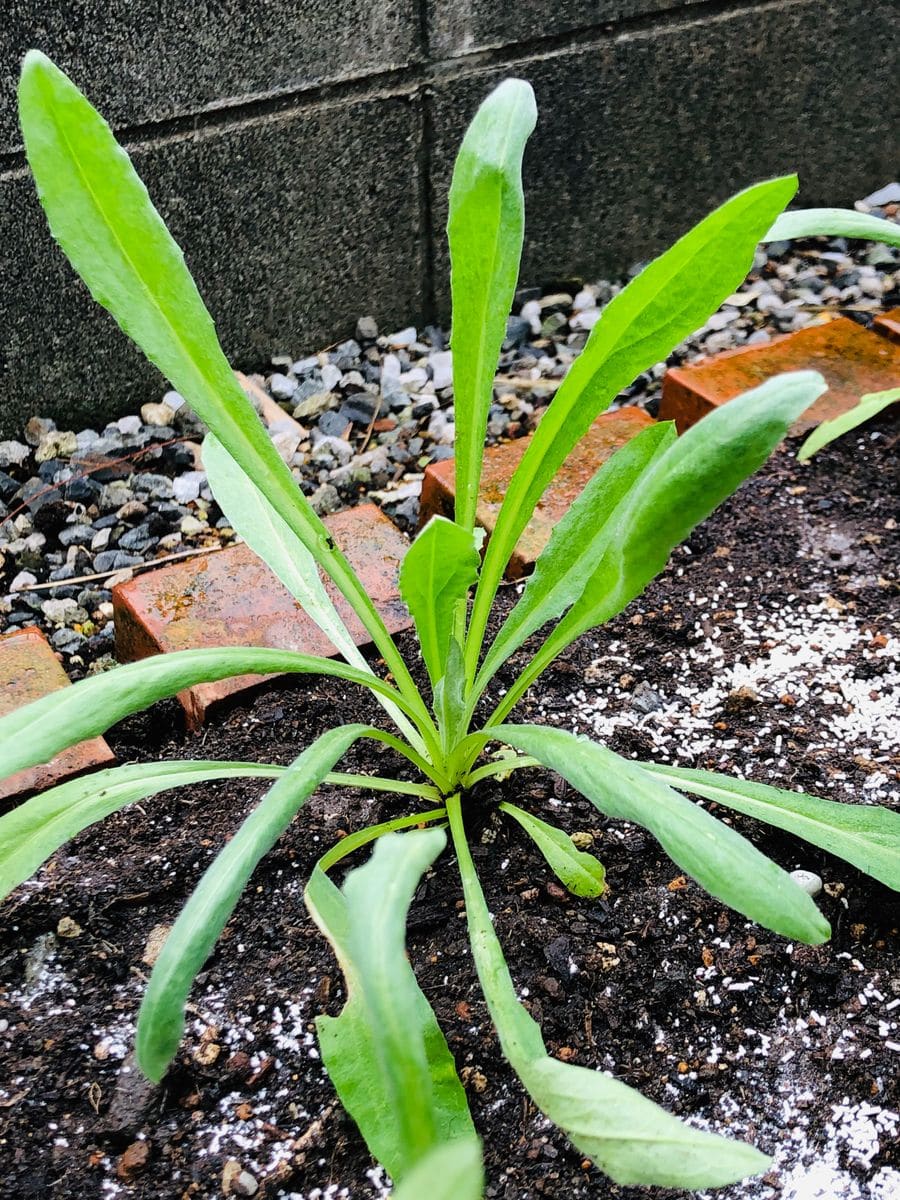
869,406
385,1052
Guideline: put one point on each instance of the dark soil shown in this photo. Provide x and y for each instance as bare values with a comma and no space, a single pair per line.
722,1022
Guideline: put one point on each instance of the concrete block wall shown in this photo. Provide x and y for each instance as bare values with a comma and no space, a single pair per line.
301,152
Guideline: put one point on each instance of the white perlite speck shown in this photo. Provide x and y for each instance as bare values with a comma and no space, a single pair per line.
807,651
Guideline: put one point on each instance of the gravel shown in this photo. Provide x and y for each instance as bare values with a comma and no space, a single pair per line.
361,420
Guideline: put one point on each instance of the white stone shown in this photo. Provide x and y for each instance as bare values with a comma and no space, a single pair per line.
808,880
441,363
403,338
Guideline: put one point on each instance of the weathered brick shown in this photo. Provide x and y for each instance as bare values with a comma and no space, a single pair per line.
853,361
28,670
889,324
230,598
606,435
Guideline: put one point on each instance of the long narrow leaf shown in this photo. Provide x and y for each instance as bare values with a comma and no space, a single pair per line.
450,1172
866,835
669,300
576,545
680,488
724,863
385,1052
869,406
35,733
253,517
833,222
685,484
264,531
33,831
581,873
485,230
630,1138
100,213
161,1019
435,576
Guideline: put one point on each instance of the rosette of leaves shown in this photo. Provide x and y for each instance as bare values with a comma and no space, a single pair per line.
385,1052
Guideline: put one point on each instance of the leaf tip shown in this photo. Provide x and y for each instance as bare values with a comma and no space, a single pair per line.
35,60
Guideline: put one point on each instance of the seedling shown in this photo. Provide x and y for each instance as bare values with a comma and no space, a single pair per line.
385,1053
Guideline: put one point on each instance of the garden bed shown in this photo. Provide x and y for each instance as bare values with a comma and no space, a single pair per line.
358,421
769,648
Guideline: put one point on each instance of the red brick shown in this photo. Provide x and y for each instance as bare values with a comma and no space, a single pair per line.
28,670
889,324
607,434
852,359
230,598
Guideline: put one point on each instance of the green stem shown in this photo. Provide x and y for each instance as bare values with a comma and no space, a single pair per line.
377,783
353,841
501,767
428,769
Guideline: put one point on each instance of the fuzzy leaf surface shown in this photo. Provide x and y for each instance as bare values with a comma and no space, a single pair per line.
724,863
833,222
866,835
869,406
581,873
36,732
449,697
201,921
385,1053
33,831
435,576
453,1171
485,230
100,212
630,1138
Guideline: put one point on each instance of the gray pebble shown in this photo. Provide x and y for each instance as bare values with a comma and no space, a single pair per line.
325,499
332,424
115,560
403,338
646,699
366,329
24,579
67,640
330,450
130,424
346,355
517,331
282,387
186,487
305,366
13,454
76,535
315,404
331,377
157,487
